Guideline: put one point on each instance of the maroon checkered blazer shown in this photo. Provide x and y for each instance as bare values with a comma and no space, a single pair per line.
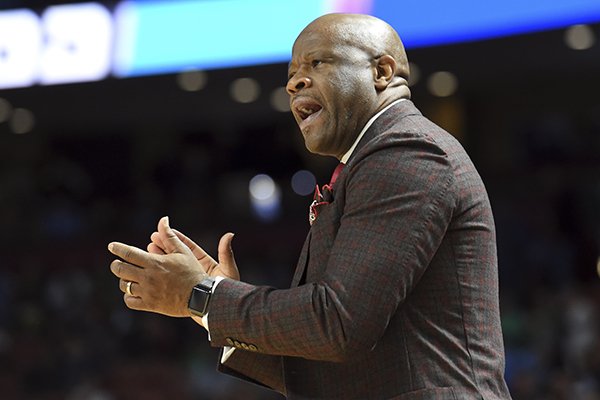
395,295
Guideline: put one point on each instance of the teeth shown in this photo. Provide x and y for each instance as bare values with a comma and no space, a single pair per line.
307,110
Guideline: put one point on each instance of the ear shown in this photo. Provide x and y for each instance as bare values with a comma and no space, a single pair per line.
385,70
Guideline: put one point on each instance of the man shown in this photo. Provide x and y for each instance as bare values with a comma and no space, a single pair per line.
395,294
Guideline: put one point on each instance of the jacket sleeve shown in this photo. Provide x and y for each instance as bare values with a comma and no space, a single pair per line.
260,369
396,204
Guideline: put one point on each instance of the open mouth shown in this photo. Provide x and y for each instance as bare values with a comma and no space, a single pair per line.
306,110
305,107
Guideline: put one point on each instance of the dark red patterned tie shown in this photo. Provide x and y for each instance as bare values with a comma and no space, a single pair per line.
323,196
335,174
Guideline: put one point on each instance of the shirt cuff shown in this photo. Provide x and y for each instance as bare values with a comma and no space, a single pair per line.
227,352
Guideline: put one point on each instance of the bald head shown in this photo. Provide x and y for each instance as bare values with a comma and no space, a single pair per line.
367,33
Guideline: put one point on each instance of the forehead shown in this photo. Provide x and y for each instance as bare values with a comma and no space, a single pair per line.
322,38
310,40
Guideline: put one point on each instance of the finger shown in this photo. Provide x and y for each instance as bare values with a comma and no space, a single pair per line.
186,240
131,254
197,251
154,249
172,244
225,250
134,289
155,238
135,303
125,270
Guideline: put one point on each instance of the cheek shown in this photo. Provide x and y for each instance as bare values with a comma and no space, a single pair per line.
353,88
348,95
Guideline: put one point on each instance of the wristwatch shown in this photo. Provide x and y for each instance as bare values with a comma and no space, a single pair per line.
200,297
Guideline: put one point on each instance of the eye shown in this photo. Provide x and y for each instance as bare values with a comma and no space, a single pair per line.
316,63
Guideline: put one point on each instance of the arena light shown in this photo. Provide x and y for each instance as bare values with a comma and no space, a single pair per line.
580,37
244,90
192,80
21,121
265,197
415,74
303,182
442,84
5,110
280,100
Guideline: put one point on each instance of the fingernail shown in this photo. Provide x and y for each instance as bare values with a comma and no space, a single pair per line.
110,247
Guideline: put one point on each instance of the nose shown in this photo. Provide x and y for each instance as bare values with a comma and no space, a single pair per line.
296,83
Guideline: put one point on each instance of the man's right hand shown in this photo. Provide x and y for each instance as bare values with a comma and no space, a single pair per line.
225,267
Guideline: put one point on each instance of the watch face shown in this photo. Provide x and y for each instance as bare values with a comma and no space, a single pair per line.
200,297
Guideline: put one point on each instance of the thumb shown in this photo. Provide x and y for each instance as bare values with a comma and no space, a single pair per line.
172,244
226,259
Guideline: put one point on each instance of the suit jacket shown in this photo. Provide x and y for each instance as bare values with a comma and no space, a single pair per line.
395,295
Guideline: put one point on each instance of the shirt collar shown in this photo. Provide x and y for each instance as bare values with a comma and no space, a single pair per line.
347,155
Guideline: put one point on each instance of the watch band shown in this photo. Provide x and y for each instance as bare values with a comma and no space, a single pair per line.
200,297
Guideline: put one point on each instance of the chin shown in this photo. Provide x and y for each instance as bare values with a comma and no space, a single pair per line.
309,141
317,150
313,144
311,148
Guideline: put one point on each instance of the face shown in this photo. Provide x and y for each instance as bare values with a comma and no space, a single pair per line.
332,92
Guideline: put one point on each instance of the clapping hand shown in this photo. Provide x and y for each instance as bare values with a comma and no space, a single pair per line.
162,279
226,267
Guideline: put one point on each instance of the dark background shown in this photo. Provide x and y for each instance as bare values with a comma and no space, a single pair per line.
106,160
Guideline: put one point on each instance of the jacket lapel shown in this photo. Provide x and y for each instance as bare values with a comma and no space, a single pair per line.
302,261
